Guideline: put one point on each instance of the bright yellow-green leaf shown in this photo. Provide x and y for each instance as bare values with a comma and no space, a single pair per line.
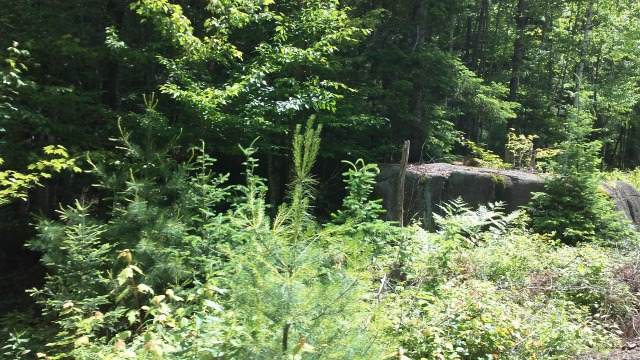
158,299
132,316
137,269
173,296
184,322
145,289
82,341
125,274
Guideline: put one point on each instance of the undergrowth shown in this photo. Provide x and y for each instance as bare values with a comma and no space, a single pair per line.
186,267
632,177
484,286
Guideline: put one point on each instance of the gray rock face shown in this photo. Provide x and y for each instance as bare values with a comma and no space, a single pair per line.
627,199
430,185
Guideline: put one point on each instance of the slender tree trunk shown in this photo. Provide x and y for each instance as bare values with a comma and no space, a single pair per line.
600,121
452,32
623,147
419,17
583,54
467,40
479,36
285,337
612,153
518,51
484,38
115,15
277,177
497,67
550,71
543,42
417,96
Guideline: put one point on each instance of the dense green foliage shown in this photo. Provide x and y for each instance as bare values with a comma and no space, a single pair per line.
287,278
187,279
485,287
574,208
156,245
375,74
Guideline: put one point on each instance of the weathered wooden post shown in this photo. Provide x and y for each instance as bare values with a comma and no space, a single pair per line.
401,177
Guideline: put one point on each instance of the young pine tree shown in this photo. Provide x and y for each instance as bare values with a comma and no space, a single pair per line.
159,231
573,208
299,287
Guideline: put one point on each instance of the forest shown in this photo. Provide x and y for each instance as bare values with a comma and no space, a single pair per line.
193,179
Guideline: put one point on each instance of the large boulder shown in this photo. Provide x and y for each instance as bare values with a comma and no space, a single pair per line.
429,185
627,199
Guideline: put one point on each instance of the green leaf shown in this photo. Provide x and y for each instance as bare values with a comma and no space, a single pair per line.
126,334
125,274
158,299
145,289
137,269
213,305
83,340
123,294
132,316
173,296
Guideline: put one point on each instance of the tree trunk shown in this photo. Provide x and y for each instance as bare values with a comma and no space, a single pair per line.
277,178
496,68
420,14
401,179
480,30
452,32
467,40
583,54
484,36
115,15
518,51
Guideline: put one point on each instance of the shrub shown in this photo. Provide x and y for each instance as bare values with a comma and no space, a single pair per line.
573,209
161,219
484,286
191,282
293,281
